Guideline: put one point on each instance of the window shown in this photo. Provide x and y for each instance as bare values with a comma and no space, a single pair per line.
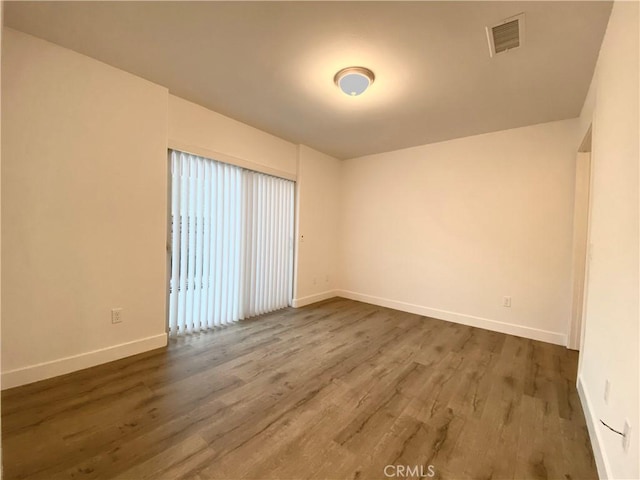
231,243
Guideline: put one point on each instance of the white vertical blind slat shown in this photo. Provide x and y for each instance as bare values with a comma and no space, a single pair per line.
270,294
184,227
261,248
264,254
175,244
206,245
289,270
224,282
191,235
199,234
278,241
247,264
219,224
237,294
214,244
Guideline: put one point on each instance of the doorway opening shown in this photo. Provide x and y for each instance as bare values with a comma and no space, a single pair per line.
580,257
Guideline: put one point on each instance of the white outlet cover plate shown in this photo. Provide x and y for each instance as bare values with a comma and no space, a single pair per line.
116,315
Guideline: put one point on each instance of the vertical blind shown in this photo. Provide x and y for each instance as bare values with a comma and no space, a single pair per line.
231,243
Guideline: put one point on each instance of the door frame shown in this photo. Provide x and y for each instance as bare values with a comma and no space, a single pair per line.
581,250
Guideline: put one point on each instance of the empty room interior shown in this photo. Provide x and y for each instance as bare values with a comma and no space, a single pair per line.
320,240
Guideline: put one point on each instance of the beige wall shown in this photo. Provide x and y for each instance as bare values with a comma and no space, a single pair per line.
318,208
1,29
449,229
83,210
612,312
199,131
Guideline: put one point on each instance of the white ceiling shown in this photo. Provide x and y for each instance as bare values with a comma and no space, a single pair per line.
271,64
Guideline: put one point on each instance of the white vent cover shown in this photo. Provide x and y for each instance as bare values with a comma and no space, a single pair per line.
506,35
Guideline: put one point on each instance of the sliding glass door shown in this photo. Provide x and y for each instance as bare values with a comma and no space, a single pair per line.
231,243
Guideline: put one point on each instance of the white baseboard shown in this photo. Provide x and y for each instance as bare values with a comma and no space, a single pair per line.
486,323
602,463
318,297
61,366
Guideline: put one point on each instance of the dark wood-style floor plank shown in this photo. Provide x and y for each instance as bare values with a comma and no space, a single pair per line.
339,389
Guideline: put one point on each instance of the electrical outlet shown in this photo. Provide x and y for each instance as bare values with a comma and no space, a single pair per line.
506,301
116,315
626,437
607,389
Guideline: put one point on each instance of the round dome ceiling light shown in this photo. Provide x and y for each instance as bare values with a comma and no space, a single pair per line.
354,80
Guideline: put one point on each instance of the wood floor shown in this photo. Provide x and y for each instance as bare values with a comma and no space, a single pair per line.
335,390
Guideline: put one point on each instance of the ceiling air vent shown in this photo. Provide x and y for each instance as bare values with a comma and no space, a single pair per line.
506,35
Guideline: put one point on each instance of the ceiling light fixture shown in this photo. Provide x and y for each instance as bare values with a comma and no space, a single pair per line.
354,80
